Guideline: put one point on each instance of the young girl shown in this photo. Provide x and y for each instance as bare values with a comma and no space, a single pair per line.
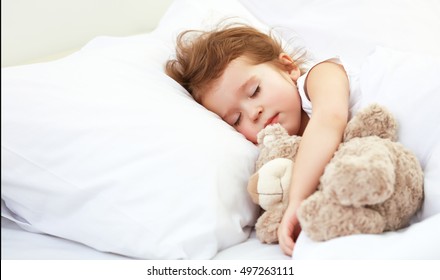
245,77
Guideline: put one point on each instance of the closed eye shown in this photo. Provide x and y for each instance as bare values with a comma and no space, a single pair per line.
256,91
237,121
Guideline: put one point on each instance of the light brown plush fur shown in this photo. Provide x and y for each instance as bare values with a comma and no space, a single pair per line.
371,185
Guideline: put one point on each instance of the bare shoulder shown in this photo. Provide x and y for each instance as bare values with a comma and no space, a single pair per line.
327,87
327,70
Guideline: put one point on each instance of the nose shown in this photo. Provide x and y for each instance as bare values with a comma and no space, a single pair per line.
254,112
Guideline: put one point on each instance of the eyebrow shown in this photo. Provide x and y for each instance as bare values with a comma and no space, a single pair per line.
241,89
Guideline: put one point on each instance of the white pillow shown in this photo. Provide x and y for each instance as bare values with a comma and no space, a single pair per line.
104,149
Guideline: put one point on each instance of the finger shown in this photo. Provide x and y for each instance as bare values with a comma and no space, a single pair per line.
286,242
287,246
289,249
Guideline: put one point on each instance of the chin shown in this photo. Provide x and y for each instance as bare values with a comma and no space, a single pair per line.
291,131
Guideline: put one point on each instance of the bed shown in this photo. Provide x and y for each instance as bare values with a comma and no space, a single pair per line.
105,157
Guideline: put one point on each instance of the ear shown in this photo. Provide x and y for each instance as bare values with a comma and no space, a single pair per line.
290,66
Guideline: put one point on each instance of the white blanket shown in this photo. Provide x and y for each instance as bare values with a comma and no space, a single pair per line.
408,85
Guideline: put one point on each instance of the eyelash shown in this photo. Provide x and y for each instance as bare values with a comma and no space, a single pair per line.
237,122
257,90
254,94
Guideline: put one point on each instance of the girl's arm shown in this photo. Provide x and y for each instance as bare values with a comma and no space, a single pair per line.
328,89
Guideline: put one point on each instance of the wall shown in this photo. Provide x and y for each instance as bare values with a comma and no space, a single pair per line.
33,30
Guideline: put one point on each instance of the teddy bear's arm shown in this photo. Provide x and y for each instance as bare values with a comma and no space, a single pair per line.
361,173
374,120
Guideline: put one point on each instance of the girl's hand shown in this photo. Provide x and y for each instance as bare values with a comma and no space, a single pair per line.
288,230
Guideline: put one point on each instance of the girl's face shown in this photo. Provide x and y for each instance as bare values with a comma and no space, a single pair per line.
249,97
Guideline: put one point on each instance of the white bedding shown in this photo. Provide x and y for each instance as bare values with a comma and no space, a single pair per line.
417,242
18,244
95,163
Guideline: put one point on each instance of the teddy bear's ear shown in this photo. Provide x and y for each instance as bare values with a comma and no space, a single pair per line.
269,135
374,120
275,142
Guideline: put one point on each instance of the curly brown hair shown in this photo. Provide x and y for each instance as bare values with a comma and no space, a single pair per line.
202,56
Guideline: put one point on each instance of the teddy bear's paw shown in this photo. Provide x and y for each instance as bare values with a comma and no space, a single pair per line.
268,224
374,120
269,234
354,220
313,213
358,180
323,219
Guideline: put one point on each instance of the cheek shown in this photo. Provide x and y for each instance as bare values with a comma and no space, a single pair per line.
249,133
281,92
290,97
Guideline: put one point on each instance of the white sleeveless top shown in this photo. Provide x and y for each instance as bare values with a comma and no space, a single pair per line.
355,92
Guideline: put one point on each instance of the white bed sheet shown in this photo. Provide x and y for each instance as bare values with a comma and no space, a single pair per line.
18,244
416,242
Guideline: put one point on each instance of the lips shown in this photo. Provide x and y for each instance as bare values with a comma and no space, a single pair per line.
272,120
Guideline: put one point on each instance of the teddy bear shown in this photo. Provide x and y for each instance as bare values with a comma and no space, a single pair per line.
371,185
